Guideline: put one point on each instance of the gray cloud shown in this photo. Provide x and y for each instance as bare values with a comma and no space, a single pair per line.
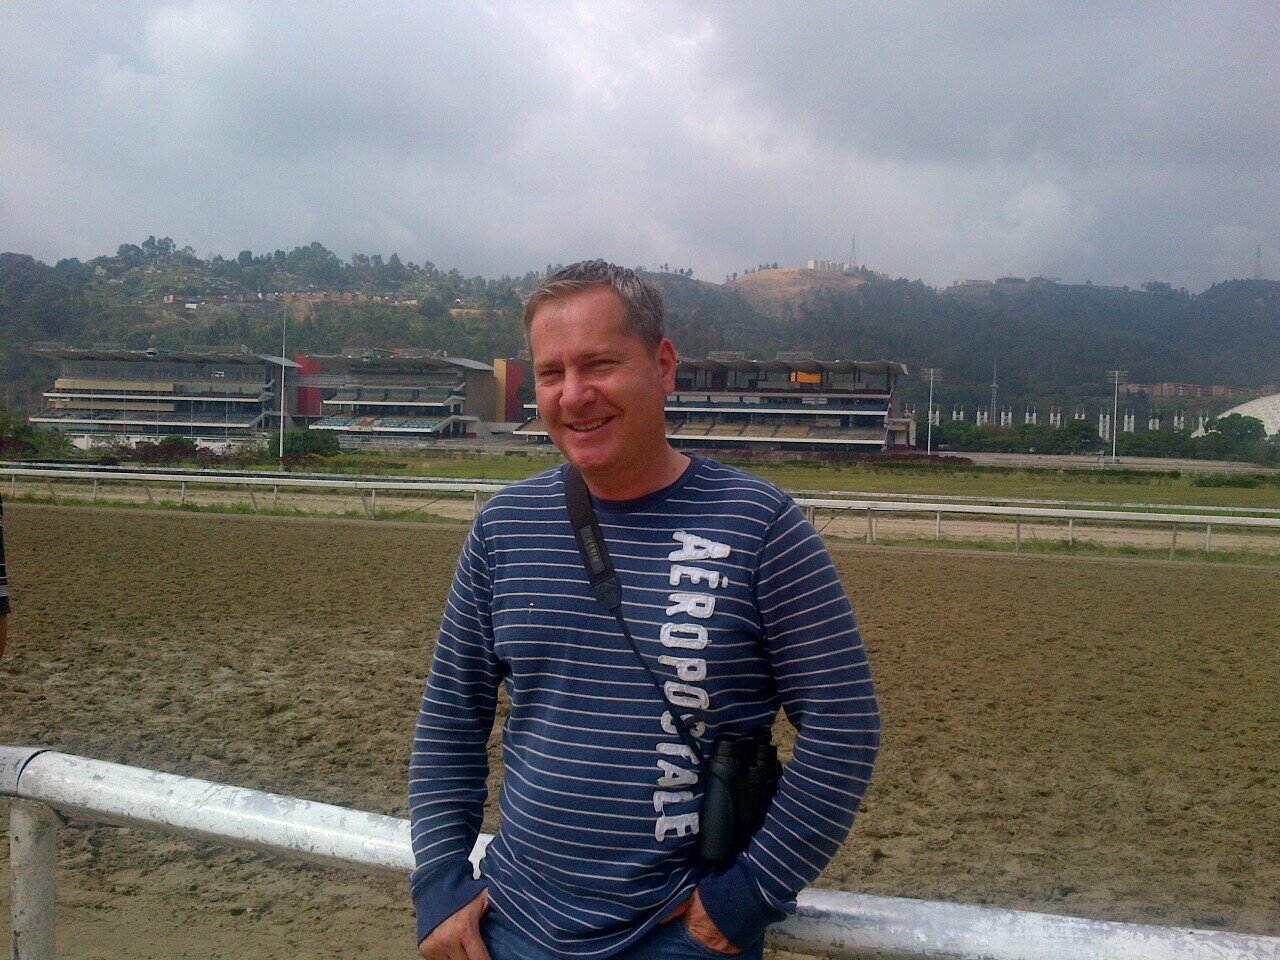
1111,142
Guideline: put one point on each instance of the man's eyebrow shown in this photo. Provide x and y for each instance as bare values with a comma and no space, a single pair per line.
606,353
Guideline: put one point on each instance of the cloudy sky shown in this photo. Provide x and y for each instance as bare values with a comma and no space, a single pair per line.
1117,142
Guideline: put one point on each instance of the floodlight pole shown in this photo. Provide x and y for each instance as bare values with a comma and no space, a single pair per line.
1115,377
933,373
991,417
284,329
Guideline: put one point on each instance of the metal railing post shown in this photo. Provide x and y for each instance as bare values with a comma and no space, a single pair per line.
33,865
1208,537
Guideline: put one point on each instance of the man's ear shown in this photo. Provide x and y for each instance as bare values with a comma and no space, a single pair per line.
666,355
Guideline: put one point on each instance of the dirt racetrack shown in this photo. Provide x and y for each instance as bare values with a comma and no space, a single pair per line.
1086,737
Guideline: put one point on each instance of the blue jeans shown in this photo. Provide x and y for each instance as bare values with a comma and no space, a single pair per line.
668,941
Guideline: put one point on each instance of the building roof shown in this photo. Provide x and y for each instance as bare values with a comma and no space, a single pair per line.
183,356
396,361
799,366
1266,409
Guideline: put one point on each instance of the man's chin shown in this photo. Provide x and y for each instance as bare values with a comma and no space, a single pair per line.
587,464
590,460
585,451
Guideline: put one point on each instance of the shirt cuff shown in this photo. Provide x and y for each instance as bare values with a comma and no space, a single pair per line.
733,902
443,893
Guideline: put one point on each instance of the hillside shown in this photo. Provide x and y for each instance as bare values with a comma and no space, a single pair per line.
1051,342
782,292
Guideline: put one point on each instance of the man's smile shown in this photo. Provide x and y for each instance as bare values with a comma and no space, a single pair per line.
586,427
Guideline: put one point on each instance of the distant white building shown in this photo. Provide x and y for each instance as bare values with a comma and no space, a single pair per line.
828,265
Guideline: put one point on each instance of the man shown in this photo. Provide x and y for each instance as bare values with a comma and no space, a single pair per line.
734,603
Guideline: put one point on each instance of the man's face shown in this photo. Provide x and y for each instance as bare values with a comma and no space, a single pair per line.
600,390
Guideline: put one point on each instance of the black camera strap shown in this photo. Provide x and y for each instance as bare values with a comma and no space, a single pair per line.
608,588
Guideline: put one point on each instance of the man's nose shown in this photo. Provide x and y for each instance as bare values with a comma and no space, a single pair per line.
576,391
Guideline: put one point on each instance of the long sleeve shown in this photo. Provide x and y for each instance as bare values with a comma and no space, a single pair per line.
448,766
823,678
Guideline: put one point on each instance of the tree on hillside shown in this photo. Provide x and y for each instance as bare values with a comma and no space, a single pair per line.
1238,429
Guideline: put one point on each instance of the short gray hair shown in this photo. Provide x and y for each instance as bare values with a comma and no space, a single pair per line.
646,316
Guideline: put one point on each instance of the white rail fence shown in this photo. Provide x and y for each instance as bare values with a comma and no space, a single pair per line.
49,786
368,488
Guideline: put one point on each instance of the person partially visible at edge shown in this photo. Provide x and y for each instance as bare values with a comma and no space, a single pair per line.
731,597
4,588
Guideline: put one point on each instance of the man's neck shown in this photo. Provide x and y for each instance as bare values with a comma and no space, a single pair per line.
662,471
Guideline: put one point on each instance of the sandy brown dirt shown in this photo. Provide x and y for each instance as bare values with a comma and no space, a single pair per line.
1089,738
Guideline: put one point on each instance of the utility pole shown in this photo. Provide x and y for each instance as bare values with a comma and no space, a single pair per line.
284,329
1115,377
934,374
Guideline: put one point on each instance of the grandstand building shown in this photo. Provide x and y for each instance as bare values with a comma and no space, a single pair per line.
381,398
791,403
215,396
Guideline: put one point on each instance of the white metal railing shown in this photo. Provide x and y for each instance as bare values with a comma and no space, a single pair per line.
75,470
368,489
46,786
214,478
1031,502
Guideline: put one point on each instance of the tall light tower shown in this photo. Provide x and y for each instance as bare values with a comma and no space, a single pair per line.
1115,377
991,419
284,329
934,374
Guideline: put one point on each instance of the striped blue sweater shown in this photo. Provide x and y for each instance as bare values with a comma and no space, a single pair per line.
732,597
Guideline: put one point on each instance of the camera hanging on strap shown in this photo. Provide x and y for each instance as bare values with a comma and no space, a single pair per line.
742,772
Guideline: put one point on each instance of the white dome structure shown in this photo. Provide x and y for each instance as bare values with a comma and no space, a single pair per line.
1266,409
